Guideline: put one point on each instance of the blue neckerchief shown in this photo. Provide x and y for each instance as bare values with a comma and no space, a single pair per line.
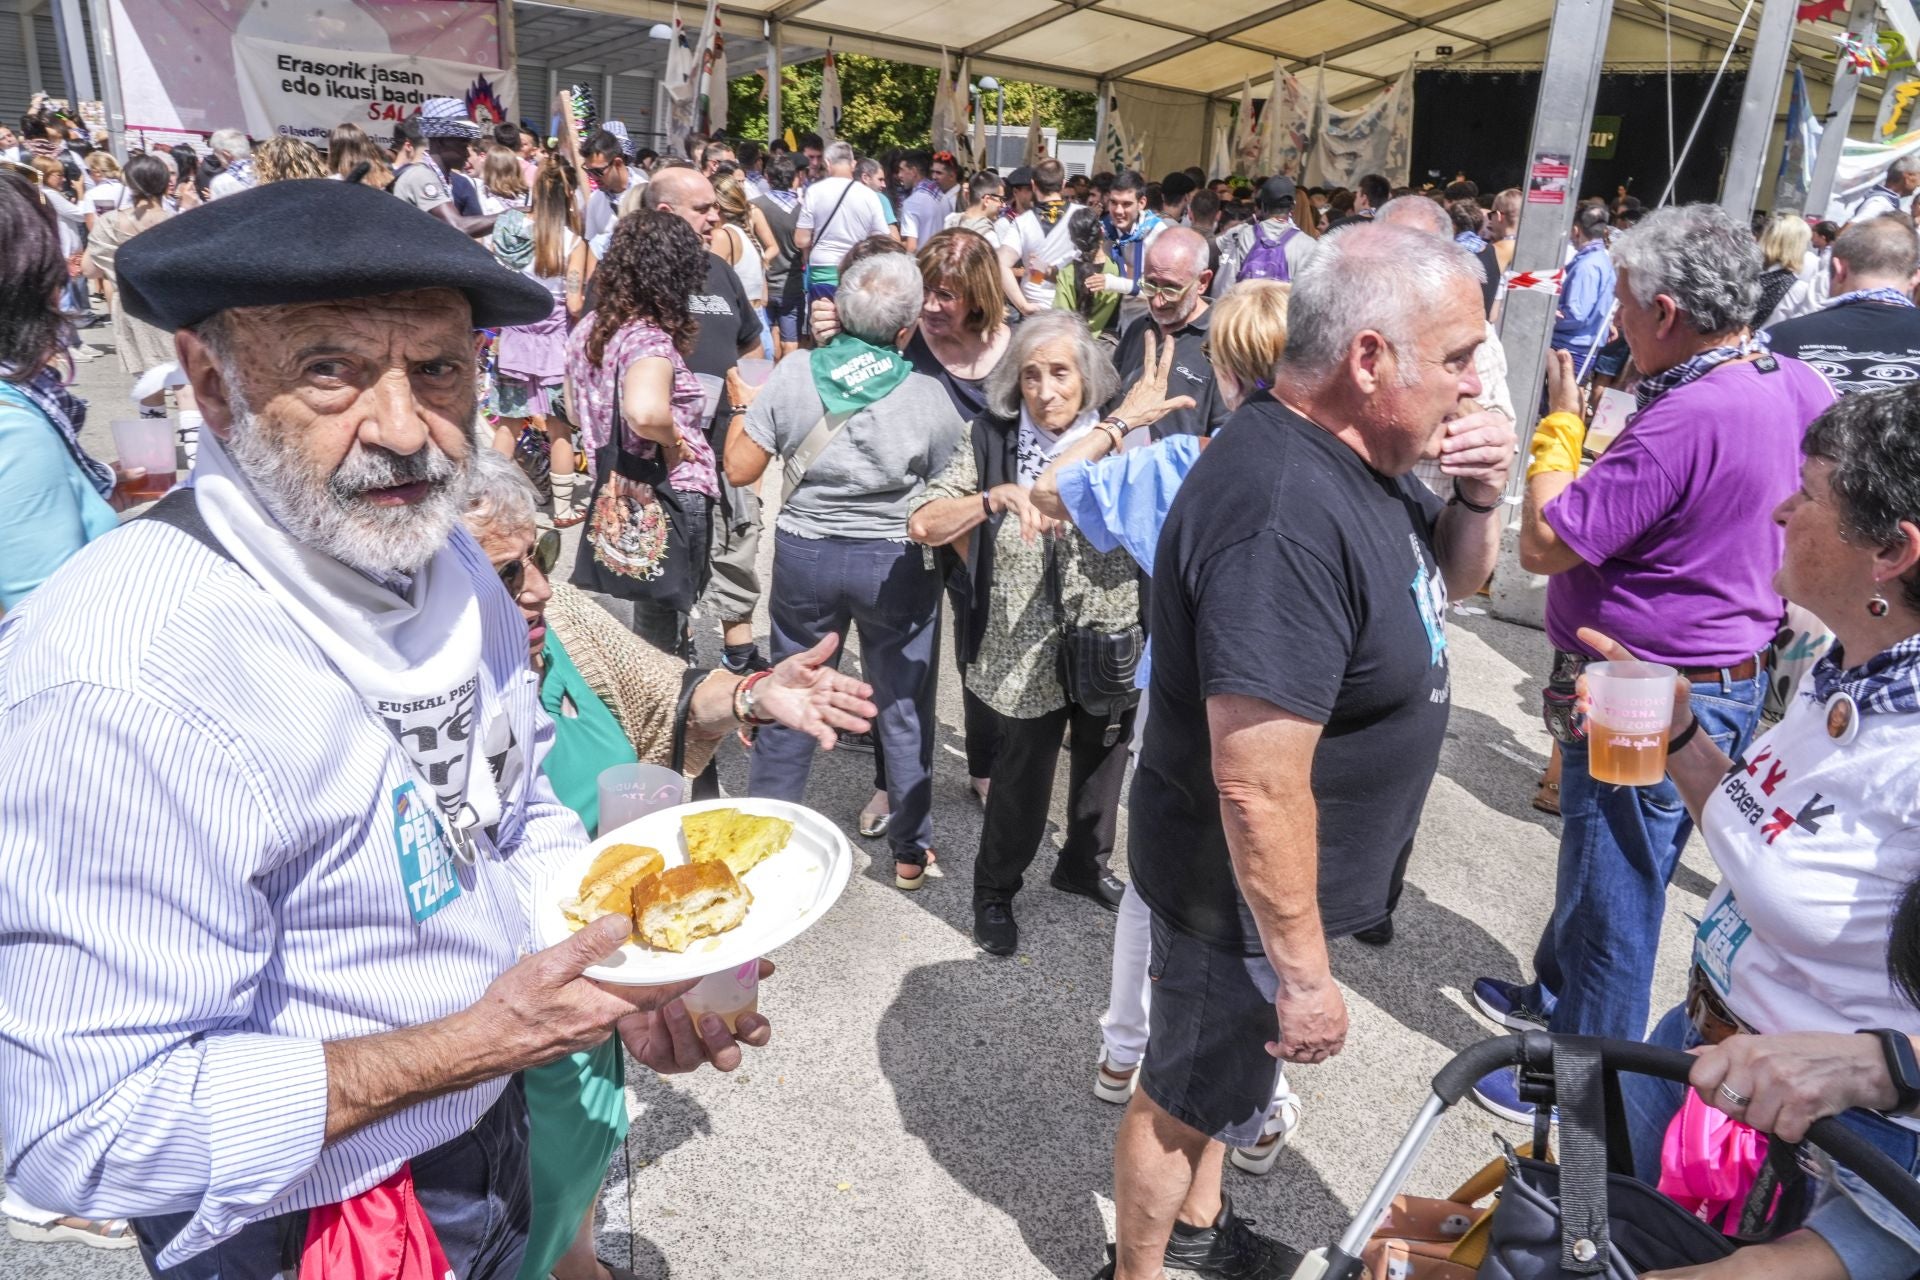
1655,385
1886,296
1887,683
928,186
1470,242
68,414
1136,240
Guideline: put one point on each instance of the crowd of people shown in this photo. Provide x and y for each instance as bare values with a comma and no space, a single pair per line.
1197,467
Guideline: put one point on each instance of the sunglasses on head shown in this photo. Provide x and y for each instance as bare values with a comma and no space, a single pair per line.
545,554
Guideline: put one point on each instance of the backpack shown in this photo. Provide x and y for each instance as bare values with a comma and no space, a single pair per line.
1267,259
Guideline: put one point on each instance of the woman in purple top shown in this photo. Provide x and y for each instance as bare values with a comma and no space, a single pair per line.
1669,539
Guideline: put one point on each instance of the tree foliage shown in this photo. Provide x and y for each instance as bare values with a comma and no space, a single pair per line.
890,104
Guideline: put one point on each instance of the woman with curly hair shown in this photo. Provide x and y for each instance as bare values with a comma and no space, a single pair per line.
281,158
642,417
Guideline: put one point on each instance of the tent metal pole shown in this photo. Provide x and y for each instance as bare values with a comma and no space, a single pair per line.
1759,103
1556,153
1100,120
73,53
773,81
1861,21
109,78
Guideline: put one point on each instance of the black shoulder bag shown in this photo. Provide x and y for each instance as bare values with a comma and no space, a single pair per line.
637,545
1097,668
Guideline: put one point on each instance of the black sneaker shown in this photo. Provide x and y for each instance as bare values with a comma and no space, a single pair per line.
994,929
1230,1249
1378,936
744,660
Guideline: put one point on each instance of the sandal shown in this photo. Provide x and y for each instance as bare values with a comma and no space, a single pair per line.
1546,798
95,1233
873,825
928,870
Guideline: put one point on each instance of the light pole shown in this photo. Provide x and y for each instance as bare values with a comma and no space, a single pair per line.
990,85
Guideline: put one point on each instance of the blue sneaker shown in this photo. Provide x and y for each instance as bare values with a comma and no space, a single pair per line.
1501,1002
1500,1094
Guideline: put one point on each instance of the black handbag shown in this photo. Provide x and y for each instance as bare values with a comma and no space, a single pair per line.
638,541
1097,668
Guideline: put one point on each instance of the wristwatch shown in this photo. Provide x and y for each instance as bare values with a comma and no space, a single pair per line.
1901,1066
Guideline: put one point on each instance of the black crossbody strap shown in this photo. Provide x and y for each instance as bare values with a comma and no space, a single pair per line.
820,231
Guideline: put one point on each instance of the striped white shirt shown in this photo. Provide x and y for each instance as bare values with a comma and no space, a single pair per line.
199,885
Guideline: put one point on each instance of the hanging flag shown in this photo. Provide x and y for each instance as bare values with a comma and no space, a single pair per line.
1378,138
1246,137
1220,150
940,130
1113,145
793,143
1802,139
683,70
829,126
713,82
957,110
1036,146
1285,126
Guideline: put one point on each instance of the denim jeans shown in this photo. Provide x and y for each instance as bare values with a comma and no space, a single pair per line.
1593,968
821,586
1870,1235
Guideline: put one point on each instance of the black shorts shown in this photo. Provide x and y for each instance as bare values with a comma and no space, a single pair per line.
1210,1022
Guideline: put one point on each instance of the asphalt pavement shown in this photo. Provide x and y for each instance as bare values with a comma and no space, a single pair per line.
926,1110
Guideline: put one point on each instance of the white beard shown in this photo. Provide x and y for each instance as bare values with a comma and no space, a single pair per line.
331,514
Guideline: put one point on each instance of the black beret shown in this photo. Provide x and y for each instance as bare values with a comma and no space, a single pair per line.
312,240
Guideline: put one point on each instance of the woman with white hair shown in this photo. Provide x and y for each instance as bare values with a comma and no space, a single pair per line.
859,433
1049,630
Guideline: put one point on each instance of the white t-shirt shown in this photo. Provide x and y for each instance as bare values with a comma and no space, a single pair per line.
105,197
860,215
922,215
1817,842
602,211
1042,251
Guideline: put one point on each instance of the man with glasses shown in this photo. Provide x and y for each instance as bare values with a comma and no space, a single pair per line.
606,164
986,197
1174,285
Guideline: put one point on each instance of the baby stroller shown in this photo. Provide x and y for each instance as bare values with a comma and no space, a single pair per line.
1586,1215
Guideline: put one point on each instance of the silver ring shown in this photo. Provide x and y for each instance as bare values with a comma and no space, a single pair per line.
1733,1097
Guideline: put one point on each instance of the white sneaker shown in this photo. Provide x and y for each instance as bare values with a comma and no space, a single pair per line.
1280,1128
84,353
1115,1084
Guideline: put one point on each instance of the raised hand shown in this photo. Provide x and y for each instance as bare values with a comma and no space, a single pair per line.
806,694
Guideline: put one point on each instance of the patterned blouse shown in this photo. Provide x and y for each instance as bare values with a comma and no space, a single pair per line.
593,387
1017,672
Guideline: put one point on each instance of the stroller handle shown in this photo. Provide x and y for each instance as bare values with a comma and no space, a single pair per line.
1534,1049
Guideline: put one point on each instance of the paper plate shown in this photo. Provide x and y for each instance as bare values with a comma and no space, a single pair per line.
791,890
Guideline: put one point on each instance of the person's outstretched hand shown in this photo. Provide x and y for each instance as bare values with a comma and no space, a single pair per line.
806,694
1146,400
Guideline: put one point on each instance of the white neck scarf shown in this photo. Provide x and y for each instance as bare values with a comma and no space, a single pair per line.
1037,447
414,658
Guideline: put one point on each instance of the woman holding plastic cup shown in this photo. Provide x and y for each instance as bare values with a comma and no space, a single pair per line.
1816,826
615,700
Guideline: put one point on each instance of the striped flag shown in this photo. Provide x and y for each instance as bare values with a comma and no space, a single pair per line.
829,127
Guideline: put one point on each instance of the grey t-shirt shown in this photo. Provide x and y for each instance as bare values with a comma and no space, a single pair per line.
863,484
420,187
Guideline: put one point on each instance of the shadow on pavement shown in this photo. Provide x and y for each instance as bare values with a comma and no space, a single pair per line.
1432,948
667,1118
992,1063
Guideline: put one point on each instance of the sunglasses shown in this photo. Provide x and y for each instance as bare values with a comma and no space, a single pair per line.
1165,292
545,554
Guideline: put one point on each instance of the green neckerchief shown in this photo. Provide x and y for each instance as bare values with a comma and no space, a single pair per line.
851,374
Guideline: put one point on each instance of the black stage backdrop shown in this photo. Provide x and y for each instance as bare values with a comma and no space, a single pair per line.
1477,122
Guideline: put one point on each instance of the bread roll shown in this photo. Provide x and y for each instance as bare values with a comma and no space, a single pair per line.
672,908
609,881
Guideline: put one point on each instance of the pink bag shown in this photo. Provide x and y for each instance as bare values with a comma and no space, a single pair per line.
380,1234
1709,1162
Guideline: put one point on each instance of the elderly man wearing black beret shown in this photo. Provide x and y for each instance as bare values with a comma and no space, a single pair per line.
271,802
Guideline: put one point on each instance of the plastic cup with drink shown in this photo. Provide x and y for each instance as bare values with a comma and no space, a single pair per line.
632,791
1629,715
727,994
145,446
754,370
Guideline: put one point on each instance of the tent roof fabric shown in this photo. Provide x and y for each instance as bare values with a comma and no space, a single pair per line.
1199,47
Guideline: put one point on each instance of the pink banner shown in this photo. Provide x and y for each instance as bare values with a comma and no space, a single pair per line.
178,73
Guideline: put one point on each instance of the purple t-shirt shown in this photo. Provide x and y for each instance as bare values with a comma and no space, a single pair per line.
1675,520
